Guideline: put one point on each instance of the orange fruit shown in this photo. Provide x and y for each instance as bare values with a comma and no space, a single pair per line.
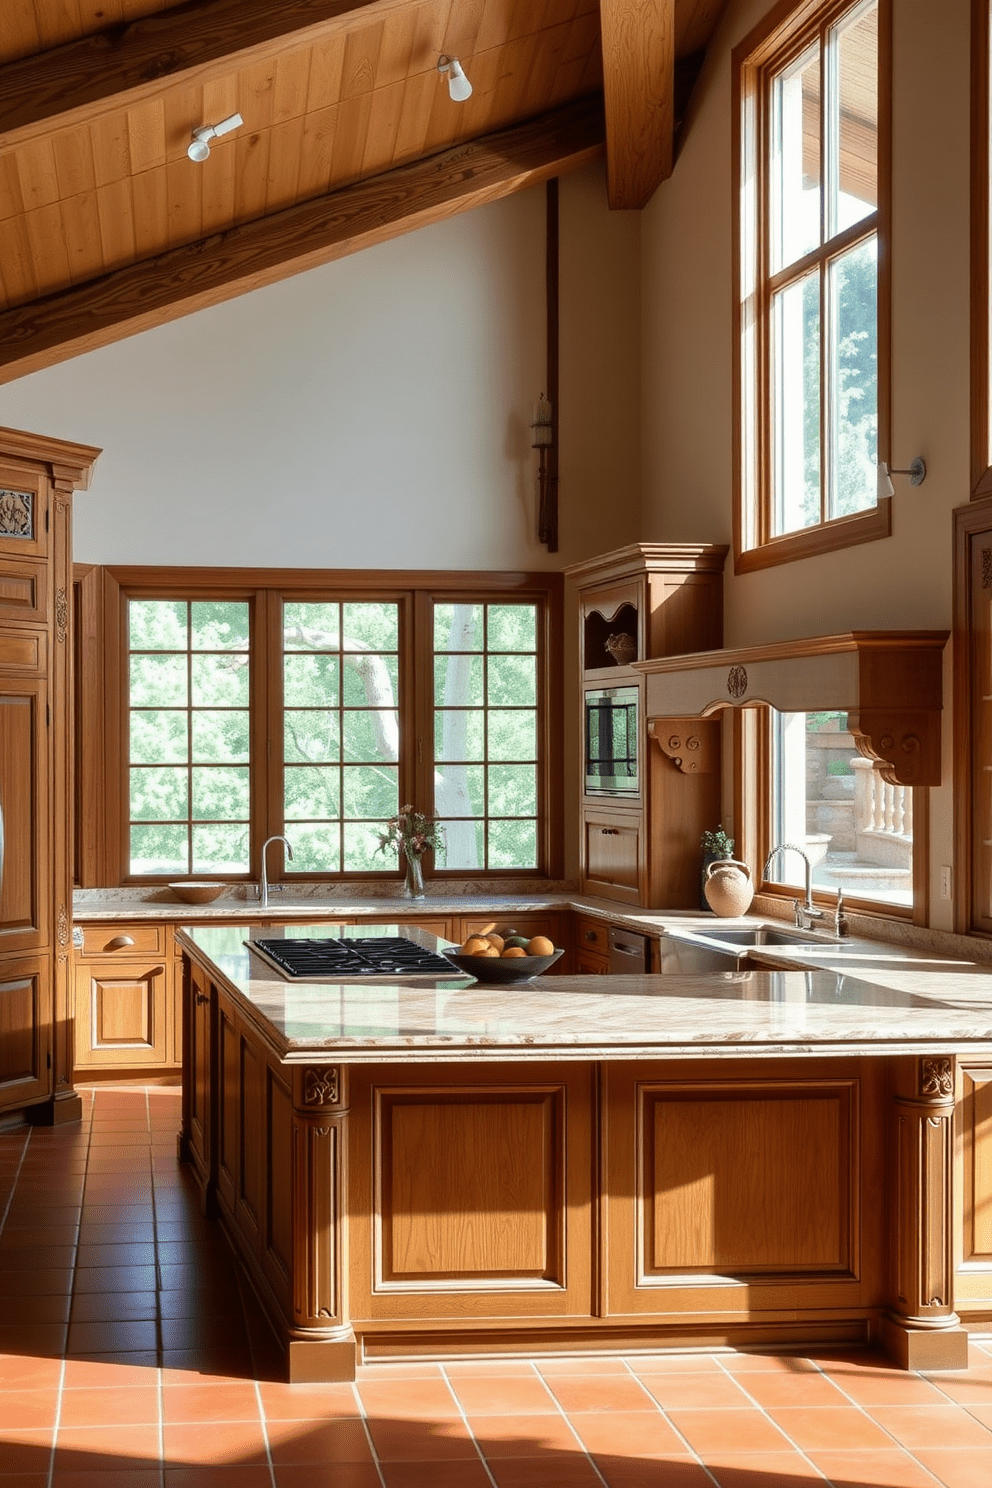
474,946
495,940
513,951
540,945
489,951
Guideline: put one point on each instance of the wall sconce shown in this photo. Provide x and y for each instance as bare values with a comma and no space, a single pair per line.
459,87
198,148
543,430
917,473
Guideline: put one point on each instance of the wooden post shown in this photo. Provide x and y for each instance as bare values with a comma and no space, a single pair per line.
321,1344
921,1330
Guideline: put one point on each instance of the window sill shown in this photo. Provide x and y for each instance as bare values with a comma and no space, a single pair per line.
845,532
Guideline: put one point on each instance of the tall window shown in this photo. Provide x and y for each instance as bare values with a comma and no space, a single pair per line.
813,249
341,744
188,737
315,712
485,733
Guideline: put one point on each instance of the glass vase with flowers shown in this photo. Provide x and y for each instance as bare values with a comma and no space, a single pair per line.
410,834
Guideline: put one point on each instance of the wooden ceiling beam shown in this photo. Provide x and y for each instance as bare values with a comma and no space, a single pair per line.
245,257
125,63
639,94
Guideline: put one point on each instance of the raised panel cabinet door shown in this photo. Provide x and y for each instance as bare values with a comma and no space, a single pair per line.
24,519
25,1031
25,815
122,1015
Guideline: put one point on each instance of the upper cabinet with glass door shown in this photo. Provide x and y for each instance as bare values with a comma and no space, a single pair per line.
813,225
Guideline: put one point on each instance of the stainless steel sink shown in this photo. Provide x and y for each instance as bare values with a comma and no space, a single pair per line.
758,935
689,951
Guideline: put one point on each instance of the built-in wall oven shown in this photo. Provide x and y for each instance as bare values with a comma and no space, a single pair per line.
611,726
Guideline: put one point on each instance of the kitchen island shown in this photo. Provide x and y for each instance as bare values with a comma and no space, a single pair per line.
427,1166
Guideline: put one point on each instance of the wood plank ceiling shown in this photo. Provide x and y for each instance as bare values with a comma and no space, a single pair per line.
349,137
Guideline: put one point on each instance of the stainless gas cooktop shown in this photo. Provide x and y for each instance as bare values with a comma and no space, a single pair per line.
359,957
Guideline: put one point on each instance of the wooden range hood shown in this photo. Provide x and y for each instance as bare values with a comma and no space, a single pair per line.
887,681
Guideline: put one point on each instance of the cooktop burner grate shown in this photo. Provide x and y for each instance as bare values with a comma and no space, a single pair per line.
369,956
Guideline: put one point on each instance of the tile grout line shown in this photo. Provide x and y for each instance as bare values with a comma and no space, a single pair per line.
468,1426
848,1400
264,1424
669,1422
363,1417
568,1422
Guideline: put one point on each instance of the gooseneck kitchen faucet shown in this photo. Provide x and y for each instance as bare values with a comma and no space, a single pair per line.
263,890
807,911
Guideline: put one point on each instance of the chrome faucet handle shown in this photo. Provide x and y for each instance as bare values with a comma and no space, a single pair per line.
840,918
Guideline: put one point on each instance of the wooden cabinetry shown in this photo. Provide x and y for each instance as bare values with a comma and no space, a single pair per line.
590,946
126,1016
641,846
37,478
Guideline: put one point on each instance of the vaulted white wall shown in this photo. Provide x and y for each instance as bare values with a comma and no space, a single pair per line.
371,413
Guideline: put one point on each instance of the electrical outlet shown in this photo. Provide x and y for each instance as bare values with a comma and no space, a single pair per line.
945,881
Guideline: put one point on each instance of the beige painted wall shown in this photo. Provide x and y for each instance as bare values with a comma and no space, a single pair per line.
687,350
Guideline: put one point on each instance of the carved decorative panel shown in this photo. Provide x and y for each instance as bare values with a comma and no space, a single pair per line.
17,514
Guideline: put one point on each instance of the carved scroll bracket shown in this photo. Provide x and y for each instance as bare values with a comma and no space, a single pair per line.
321,1090
904,747
691,745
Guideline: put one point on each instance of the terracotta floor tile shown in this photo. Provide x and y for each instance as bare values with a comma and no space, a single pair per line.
829,1428
34,1309
106,1448
20,1372
106,1373
329,1475
214,1363
111,1406
982,1413
141,1253
47,1281
134,1477
973,1388
28,1449
109,1307
728,1431
888,1469
576,1366
231,1401
436,1475
318,1441
27,1257
643,1364
697,1391
398,1371
25,1409
503,1395
218,1477
23,1480
933,1426
408,1400
63,1232
104,1233
653,1472
870,1387
807,1389
420,1441
764,1469
116,1279
111,1337
541,1472
764,1363
282,1402
637,1433
110,1214
32,1338
602,1393
956,1467
522,1436
489,1368
219,1444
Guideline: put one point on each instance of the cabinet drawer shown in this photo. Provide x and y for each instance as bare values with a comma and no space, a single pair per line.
589,963
591,935
124,940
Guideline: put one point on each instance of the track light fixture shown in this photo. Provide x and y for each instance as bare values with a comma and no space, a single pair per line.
459,87
199,146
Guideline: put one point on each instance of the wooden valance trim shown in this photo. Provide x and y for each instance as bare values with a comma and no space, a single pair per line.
888,682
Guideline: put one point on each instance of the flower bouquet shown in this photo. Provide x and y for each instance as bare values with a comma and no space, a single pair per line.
411,834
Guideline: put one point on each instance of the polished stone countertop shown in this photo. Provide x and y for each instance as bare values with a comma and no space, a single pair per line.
866,1005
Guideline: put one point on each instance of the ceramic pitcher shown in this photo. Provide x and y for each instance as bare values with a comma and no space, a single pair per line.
728,887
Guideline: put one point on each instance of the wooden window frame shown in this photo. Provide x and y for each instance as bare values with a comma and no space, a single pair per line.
981,247
780,37
753,759
102,796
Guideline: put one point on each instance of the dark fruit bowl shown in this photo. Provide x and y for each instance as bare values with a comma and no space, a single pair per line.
502,969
